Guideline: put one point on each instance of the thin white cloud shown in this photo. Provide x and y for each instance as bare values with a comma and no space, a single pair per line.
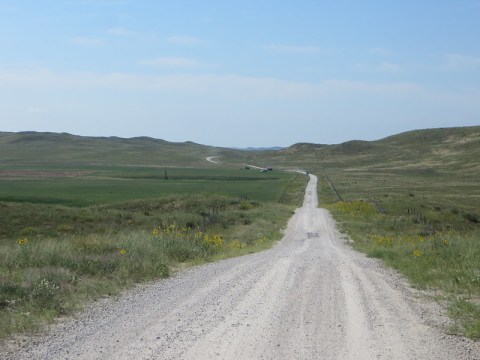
391,88
384,67
35,110
235,86
391,67
94,2
229,98
87,42
294,49
9,8
119,31
459,62
184,40
172,62
381,51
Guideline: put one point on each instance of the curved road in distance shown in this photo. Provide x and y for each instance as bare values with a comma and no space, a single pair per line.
210,159
309,297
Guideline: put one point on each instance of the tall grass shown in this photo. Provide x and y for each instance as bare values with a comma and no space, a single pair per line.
444,262
53,263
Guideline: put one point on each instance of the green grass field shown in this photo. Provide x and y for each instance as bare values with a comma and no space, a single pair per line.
69,235
102,185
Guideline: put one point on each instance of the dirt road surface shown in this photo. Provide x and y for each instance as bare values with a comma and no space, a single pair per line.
210,159
310,297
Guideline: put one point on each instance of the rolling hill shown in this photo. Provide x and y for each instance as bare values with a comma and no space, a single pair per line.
62,149
435,150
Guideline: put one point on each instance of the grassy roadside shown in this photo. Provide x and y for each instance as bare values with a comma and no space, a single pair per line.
70,256
410,199
428,230
293,193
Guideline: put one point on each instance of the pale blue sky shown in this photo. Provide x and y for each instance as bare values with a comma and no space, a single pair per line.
239,73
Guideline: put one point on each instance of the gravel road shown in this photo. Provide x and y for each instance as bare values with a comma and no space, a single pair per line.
210,159
309,297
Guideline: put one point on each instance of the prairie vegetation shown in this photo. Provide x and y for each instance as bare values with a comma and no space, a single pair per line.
427,230
411,199
67,240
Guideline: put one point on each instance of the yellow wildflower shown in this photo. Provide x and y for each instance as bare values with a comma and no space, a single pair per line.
23,241
417,253
123,252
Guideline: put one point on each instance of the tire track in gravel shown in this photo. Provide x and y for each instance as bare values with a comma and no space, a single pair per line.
309,297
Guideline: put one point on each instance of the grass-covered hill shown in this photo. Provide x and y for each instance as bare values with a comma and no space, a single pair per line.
443,149
35,148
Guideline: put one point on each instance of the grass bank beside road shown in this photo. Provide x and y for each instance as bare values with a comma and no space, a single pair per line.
55,258
426,227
